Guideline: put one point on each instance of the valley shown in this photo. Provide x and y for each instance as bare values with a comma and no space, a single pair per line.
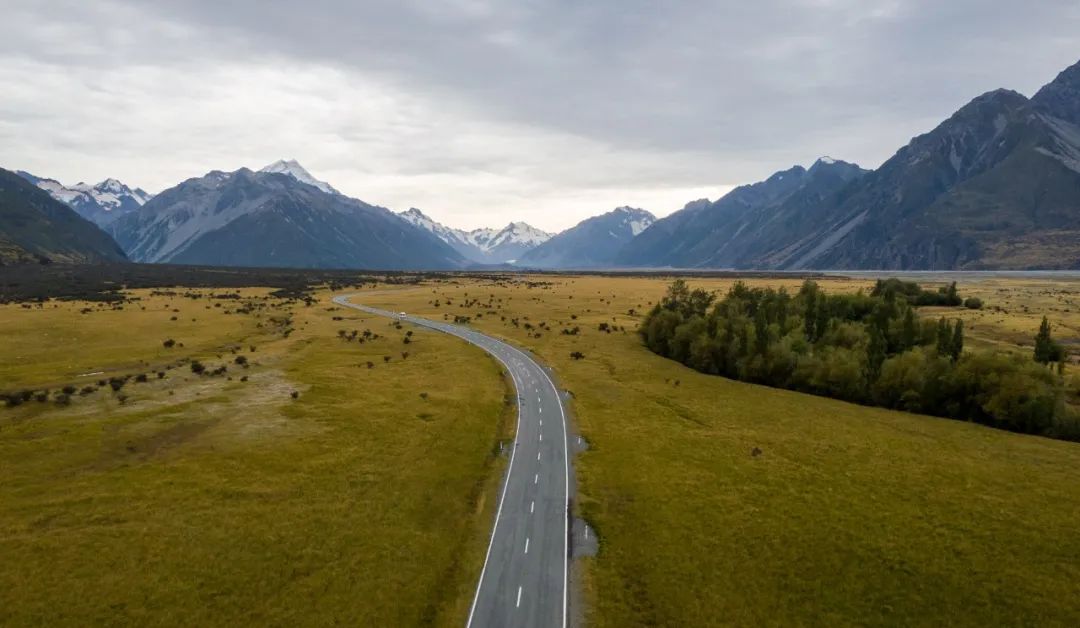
714,501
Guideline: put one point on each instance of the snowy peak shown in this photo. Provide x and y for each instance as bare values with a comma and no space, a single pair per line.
485,245
417,218
519,233
100,203
293,169
637,220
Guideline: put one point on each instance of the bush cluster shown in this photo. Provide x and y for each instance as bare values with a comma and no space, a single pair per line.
866,348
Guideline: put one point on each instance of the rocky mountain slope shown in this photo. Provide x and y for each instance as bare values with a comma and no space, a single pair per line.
997,185
275,218
722,234
592,243
34,227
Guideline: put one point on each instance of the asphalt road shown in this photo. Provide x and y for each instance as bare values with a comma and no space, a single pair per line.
523,582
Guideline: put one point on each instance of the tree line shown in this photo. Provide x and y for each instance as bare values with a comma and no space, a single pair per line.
866,348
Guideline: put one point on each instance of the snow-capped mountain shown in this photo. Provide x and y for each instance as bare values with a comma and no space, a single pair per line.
36,228
488,246
293,169
246,218
592,243
101,203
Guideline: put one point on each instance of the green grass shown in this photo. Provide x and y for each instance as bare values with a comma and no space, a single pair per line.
204,501
849,516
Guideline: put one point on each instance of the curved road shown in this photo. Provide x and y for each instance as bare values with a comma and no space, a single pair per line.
523,582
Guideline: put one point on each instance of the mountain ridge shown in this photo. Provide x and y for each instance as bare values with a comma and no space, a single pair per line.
484,245
248,218
35,227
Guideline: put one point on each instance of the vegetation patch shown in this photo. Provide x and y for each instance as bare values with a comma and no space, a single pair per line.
867,348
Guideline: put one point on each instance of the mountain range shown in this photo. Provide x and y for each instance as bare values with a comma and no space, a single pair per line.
592,243
484,246
274,217
36,228
101,203
996,185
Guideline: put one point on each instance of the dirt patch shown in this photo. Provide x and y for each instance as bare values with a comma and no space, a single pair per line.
168,438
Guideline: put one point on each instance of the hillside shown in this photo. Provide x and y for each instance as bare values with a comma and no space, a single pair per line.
247,218
724,233
592,243
34,227
996,185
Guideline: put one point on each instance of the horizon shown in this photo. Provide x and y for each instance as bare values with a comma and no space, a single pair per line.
506,114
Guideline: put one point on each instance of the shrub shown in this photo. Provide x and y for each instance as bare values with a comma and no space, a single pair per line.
116,383
197,367
973,303
68,390
169,344
294,394
577,355
241,360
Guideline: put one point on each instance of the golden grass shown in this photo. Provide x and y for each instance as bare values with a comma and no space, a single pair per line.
850,515
57,343
208,501
204,501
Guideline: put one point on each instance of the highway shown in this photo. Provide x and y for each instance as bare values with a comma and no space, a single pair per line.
524,578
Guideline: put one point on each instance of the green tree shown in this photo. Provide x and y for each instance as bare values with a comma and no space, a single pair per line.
761,332
810,315
909,334
821,324
1047,350
956,346
944,337
875,354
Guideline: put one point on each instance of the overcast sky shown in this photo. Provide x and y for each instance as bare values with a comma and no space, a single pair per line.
483,111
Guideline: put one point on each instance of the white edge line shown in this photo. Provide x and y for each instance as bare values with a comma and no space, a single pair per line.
344,300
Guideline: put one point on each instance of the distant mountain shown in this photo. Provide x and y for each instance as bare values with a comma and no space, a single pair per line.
592,243
291,168
274,218
34,227
997,185
487,246
721,234
509,243
101,203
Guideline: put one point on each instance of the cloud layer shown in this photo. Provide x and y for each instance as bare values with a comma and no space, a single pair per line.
483,111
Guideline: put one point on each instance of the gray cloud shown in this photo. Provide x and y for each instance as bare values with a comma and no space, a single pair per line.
508,108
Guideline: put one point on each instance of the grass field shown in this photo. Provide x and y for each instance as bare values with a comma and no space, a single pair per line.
201,500
209,501
850,515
